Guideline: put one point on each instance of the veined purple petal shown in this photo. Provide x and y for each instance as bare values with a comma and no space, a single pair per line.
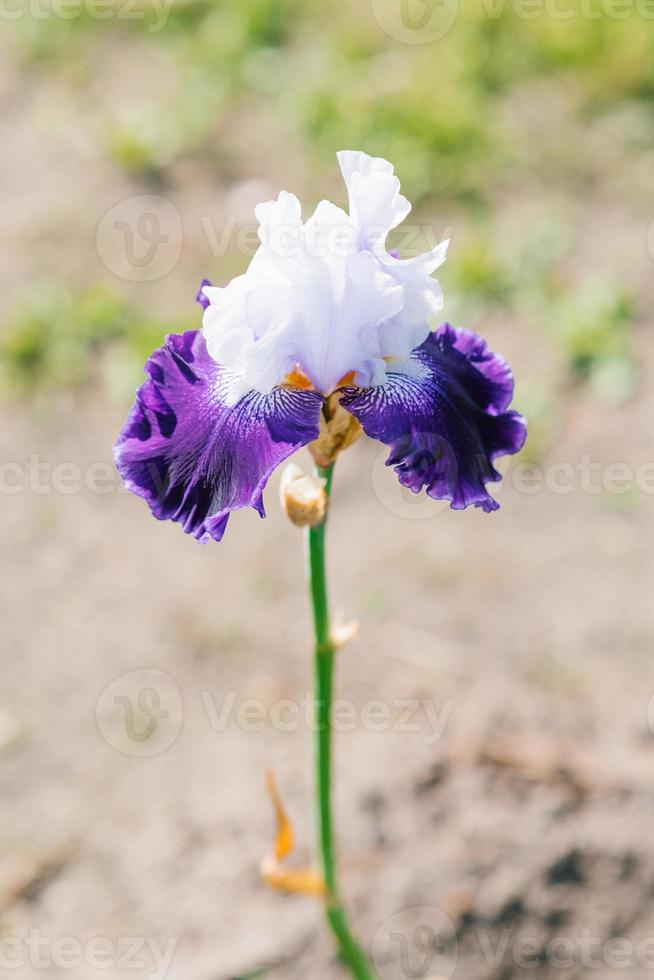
447,424
195,457
200,297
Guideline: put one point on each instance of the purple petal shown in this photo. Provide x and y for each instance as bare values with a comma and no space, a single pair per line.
194,457
446,425
200,297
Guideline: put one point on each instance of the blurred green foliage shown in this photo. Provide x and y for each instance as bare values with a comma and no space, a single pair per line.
329,76
50,339
591,326
53,340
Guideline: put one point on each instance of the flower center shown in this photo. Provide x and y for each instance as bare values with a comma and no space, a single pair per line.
297,378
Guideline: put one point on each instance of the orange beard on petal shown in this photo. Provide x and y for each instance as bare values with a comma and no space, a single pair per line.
298,379
347,379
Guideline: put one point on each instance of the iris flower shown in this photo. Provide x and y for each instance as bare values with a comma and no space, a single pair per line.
326,327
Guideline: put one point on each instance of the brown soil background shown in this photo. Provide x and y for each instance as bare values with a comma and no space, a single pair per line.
531,815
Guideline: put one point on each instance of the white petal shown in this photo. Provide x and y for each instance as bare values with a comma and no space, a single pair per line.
286,210
356,161
325,295
376,205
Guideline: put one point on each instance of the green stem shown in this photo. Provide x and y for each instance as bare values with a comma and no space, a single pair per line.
348,947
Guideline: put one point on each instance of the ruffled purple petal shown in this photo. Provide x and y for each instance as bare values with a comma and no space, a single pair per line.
192,455
447,424
200,297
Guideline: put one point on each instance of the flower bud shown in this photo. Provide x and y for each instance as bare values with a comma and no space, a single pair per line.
303,497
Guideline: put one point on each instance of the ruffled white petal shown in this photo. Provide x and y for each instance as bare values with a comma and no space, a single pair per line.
325,295
376,205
